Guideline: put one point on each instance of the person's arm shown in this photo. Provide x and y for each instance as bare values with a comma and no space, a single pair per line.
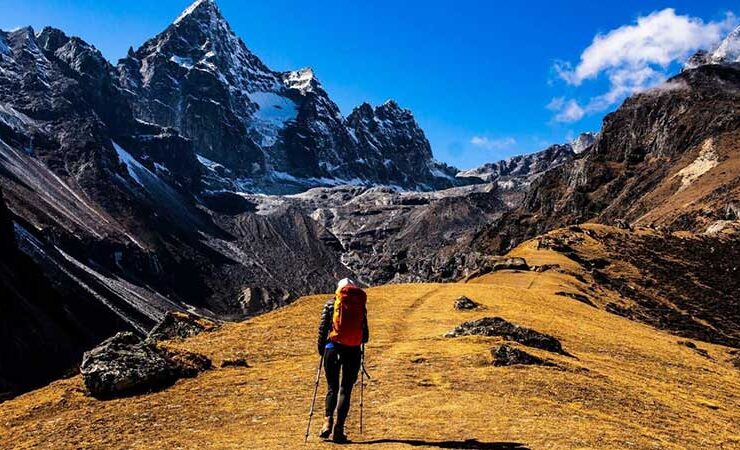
365,329
325,325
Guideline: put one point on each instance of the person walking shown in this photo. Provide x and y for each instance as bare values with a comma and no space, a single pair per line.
343,330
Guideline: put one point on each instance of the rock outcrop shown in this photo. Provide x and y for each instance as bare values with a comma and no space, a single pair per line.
125,365
496,326
510,264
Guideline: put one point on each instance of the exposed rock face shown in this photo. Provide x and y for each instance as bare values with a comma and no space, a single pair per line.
496,326
256,300
522,166
510,264
583,142
385,235
124,365
506,355
45,323
180,325
389,137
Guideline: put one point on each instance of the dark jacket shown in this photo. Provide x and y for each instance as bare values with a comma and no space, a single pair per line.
327,313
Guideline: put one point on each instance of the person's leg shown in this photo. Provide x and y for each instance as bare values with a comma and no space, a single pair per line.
331,369
350,360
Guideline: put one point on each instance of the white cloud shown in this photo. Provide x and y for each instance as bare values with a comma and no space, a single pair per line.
566,110
492,144
636,57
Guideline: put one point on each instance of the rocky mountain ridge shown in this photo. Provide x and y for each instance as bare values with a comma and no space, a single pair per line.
273,131
514,175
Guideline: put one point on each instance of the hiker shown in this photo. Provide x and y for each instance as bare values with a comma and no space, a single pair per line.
342,331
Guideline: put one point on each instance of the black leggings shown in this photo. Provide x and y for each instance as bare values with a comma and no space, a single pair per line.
348,359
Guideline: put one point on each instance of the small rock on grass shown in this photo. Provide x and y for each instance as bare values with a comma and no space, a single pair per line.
464,303
505,355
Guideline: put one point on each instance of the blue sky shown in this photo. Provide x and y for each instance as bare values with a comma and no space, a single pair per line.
486,80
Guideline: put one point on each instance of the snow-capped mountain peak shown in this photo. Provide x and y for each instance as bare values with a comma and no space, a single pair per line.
583,141
303,80
199,78
727,52
199,7
729,49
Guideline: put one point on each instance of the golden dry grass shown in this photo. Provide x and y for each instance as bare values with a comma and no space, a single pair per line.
630,386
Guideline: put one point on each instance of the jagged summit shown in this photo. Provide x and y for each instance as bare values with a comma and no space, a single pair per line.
198,10
727,52
303,80
267,127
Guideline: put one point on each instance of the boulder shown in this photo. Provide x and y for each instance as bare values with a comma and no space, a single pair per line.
510,264
178,324
464,303
496,326
125,364
505,355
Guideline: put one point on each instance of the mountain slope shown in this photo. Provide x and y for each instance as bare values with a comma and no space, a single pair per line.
43,322
634,385
668,157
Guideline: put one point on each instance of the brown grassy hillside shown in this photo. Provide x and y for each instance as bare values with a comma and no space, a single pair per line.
627,386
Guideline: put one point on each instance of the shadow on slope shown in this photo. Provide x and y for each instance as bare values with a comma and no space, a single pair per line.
466,444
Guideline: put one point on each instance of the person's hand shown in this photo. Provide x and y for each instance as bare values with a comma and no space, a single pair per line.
321,350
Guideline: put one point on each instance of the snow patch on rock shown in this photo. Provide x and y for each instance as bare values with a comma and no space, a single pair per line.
300,80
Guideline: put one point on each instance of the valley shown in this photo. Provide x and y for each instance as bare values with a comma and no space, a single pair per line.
189,179
624,382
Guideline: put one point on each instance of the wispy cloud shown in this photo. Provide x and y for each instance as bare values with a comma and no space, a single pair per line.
566,110
635,57
492,144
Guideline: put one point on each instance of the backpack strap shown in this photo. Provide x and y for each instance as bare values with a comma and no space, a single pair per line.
327,313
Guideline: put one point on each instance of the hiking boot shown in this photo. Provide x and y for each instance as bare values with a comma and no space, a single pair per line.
326,429
339,437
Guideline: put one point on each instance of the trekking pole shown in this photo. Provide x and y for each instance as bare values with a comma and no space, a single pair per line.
313,401
362,384
363,374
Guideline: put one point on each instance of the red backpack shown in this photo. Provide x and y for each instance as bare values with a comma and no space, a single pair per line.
349,316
